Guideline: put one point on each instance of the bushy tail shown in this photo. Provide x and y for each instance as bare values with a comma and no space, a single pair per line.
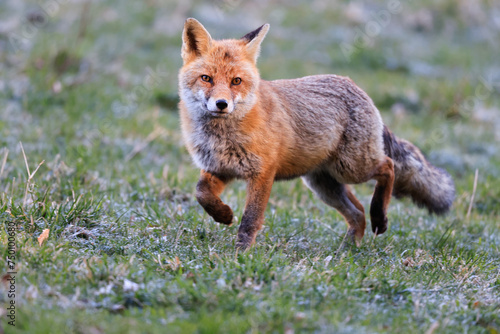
427,185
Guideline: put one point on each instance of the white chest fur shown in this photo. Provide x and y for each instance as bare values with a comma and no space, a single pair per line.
220,149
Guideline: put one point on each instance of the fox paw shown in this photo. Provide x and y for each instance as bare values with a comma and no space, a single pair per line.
355,237
379,224
223,215
244,242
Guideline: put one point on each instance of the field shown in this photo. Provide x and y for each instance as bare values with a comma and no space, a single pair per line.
90,150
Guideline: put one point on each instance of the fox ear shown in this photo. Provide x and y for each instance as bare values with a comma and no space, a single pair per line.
195,40
254,39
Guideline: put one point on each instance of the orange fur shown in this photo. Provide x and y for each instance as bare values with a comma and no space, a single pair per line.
322,128
208,190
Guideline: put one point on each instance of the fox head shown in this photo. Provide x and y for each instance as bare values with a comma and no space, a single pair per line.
219,77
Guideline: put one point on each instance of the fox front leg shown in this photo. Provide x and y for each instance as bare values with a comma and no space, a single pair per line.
258,192
208,190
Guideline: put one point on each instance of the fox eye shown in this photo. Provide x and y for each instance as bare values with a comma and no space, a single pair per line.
206,78
236,81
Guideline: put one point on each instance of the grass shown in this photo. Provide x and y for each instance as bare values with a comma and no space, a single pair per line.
130,250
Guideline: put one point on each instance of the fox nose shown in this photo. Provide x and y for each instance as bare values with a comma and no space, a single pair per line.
221,104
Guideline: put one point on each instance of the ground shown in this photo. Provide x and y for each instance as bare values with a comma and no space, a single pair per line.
90,150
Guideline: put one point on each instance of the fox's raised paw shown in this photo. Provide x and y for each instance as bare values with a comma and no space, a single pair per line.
223,215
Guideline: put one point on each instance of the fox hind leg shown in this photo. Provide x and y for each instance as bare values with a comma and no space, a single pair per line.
208,190
340,197
384,175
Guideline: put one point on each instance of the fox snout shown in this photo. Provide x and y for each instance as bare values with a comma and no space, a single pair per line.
220,105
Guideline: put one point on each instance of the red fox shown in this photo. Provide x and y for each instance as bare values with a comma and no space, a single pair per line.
322,128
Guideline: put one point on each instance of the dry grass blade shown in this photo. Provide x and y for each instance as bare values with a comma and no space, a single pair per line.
25,159
473,195
30,175
4,161
141,146
433,328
